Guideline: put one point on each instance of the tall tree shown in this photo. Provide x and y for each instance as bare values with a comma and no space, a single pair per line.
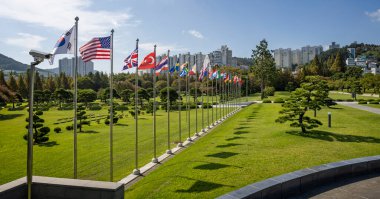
263,65
315,66
12,84
41,133
50,84
38,85
338,65
2,79
22,89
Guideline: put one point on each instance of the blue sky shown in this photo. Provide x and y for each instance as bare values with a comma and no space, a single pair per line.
186,25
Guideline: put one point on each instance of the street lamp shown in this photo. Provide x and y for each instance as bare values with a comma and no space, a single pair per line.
38,58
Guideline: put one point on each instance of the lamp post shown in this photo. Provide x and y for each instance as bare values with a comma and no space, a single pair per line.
38,58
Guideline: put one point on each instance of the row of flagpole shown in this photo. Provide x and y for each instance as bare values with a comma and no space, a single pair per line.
224,104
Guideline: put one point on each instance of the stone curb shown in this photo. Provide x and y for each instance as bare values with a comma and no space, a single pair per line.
297,182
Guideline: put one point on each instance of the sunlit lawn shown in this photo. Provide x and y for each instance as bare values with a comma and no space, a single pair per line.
55,158
250,147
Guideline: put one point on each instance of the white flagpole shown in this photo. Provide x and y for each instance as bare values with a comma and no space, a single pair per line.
188,98
196,97
111,110
154,160
179,108
75,99
168,151
136,171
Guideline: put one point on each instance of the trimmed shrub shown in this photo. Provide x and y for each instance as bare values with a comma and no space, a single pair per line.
57,129
278,100
350,100
69,128
267,101
362,102
269,91
374,102
206,105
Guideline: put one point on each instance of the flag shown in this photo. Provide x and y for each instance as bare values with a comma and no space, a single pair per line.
131,60
184,71
206,64
193,70
64,45
235,79
183,66
226,78
215,74
148,62
163,65
175,68
97,48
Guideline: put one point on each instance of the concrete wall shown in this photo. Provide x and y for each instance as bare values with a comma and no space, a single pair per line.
61,188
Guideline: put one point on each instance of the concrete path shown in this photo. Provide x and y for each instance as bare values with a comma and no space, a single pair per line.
357,106
363,187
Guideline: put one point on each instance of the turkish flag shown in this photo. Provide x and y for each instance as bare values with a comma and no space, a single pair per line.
149,62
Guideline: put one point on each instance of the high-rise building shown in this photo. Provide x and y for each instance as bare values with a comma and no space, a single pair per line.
351,52
66,66
333,45
309,52
283,58
296,57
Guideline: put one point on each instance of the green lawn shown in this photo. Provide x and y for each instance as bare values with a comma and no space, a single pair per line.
371,105
250,147
56,157
336,96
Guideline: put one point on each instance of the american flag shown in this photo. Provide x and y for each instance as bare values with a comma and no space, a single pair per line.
131,60
97,48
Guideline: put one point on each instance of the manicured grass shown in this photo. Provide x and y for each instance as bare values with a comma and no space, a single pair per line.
336,96
55,158
256,96
250,147
372,105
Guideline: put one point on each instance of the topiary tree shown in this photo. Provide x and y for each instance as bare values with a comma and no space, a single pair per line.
115,116
81,115
41,132
311,95
57,129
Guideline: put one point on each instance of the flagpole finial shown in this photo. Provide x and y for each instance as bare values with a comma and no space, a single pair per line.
112,31
137,39
155,45
76,18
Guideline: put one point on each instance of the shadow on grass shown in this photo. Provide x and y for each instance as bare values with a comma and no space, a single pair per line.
201,186
242,127
228,145
222,155
90,132
241,132
211,166
332,107
48,144
121,125
9,116
331,137
234,138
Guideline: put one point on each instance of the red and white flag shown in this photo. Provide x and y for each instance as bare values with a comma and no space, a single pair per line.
149,62
97,48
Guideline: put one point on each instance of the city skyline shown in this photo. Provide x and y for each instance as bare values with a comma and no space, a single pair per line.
202,27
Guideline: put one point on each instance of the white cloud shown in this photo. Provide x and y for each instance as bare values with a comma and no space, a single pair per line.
374,15
161,48
60,15
26,40
195,34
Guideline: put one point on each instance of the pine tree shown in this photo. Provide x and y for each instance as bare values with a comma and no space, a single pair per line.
50,84
38,85
264,66
338,65
40,134
315,66
12,83
2,79
22,90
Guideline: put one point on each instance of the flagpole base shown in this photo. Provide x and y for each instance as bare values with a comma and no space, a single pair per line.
136,172
169,152
189,139
197,134
154,160
179,144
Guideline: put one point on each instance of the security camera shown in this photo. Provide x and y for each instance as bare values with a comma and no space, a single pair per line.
39,55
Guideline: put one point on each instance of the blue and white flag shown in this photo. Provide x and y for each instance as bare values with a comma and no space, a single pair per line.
64,45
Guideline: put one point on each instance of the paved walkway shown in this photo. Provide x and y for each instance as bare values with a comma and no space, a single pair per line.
357,106
364,187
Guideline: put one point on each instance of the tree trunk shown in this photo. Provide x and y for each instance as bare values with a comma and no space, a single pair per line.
300,120
262,89
315,112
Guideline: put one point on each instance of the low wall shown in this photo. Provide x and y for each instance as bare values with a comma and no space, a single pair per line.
301,181
61,188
